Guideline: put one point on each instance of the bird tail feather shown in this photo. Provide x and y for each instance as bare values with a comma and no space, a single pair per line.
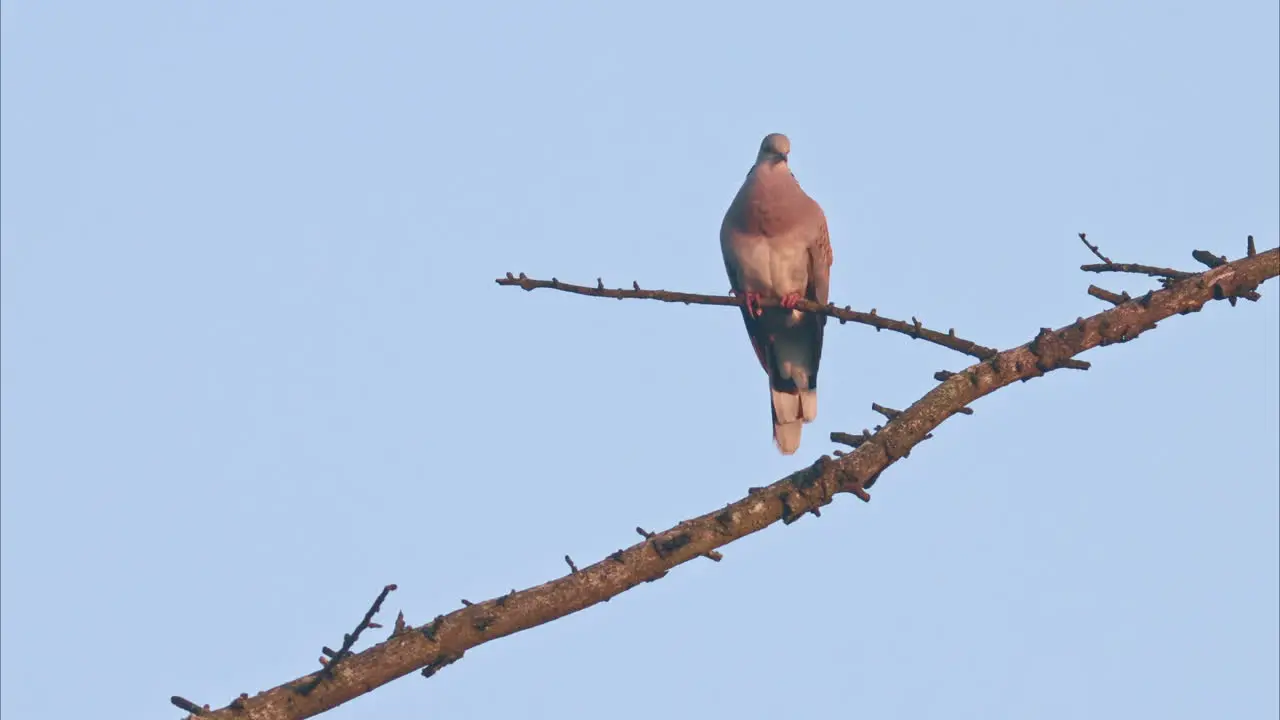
791,410
809,405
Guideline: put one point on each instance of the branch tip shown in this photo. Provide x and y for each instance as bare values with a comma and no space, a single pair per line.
185,704
1094,249
1208,259
1108,296
888,412
853,441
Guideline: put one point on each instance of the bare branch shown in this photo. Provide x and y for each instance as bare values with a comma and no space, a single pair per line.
1094,249
194,709
1208,259
1137,269
853,441
888,412
1107,265
1166,275
1109,296
445,639
914,329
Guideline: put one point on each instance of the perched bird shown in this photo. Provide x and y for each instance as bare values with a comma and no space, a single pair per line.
775,245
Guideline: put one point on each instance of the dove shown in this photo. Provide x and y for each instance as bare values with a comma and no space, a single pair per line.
775,245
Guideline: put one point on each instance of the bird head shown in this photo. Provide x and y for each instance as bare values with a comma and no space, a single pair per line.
774,149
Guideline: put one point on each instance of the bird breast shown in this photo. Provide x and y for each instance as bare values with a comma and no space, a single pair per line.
772,266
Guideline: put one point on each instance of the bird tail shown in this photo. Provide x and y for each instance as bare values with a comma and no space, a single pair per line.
791,410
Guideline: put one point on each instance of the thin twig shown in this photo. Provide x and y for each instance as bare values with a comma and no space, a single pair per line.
1137,269
348,641
185,704
1094,249
912,329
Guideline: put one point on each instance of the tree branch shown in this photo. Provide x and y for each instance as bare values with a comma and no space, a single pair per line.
1151,270
914,329
445,639
1107,265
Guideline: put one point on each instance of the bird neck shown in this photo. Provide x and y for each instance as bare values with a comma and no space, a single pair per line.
766,166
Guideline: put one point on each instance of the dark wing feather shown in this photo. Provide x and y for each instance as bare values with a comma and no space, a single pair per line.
820,259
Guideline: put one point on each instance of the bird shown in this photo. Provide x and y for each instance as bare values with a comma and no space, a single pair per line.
775,244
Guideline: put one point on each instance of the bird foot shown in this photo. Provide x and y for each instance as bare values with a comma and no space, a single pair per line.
753,302
789,300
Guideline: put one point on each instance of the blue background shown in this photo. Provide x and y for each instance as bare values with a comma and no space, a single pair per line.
255,365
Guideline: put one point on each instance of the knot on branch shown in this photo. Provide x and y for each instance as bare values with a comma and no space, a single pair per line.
431,629
669,545
853,441
1052,352
821,475
441,661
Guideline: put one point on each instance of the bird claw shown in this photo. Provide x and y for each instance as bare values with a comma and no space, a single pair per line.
789,300
753,302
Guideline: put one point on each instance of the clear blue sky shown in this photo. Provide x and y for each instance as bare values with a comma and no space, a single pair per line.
255,365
